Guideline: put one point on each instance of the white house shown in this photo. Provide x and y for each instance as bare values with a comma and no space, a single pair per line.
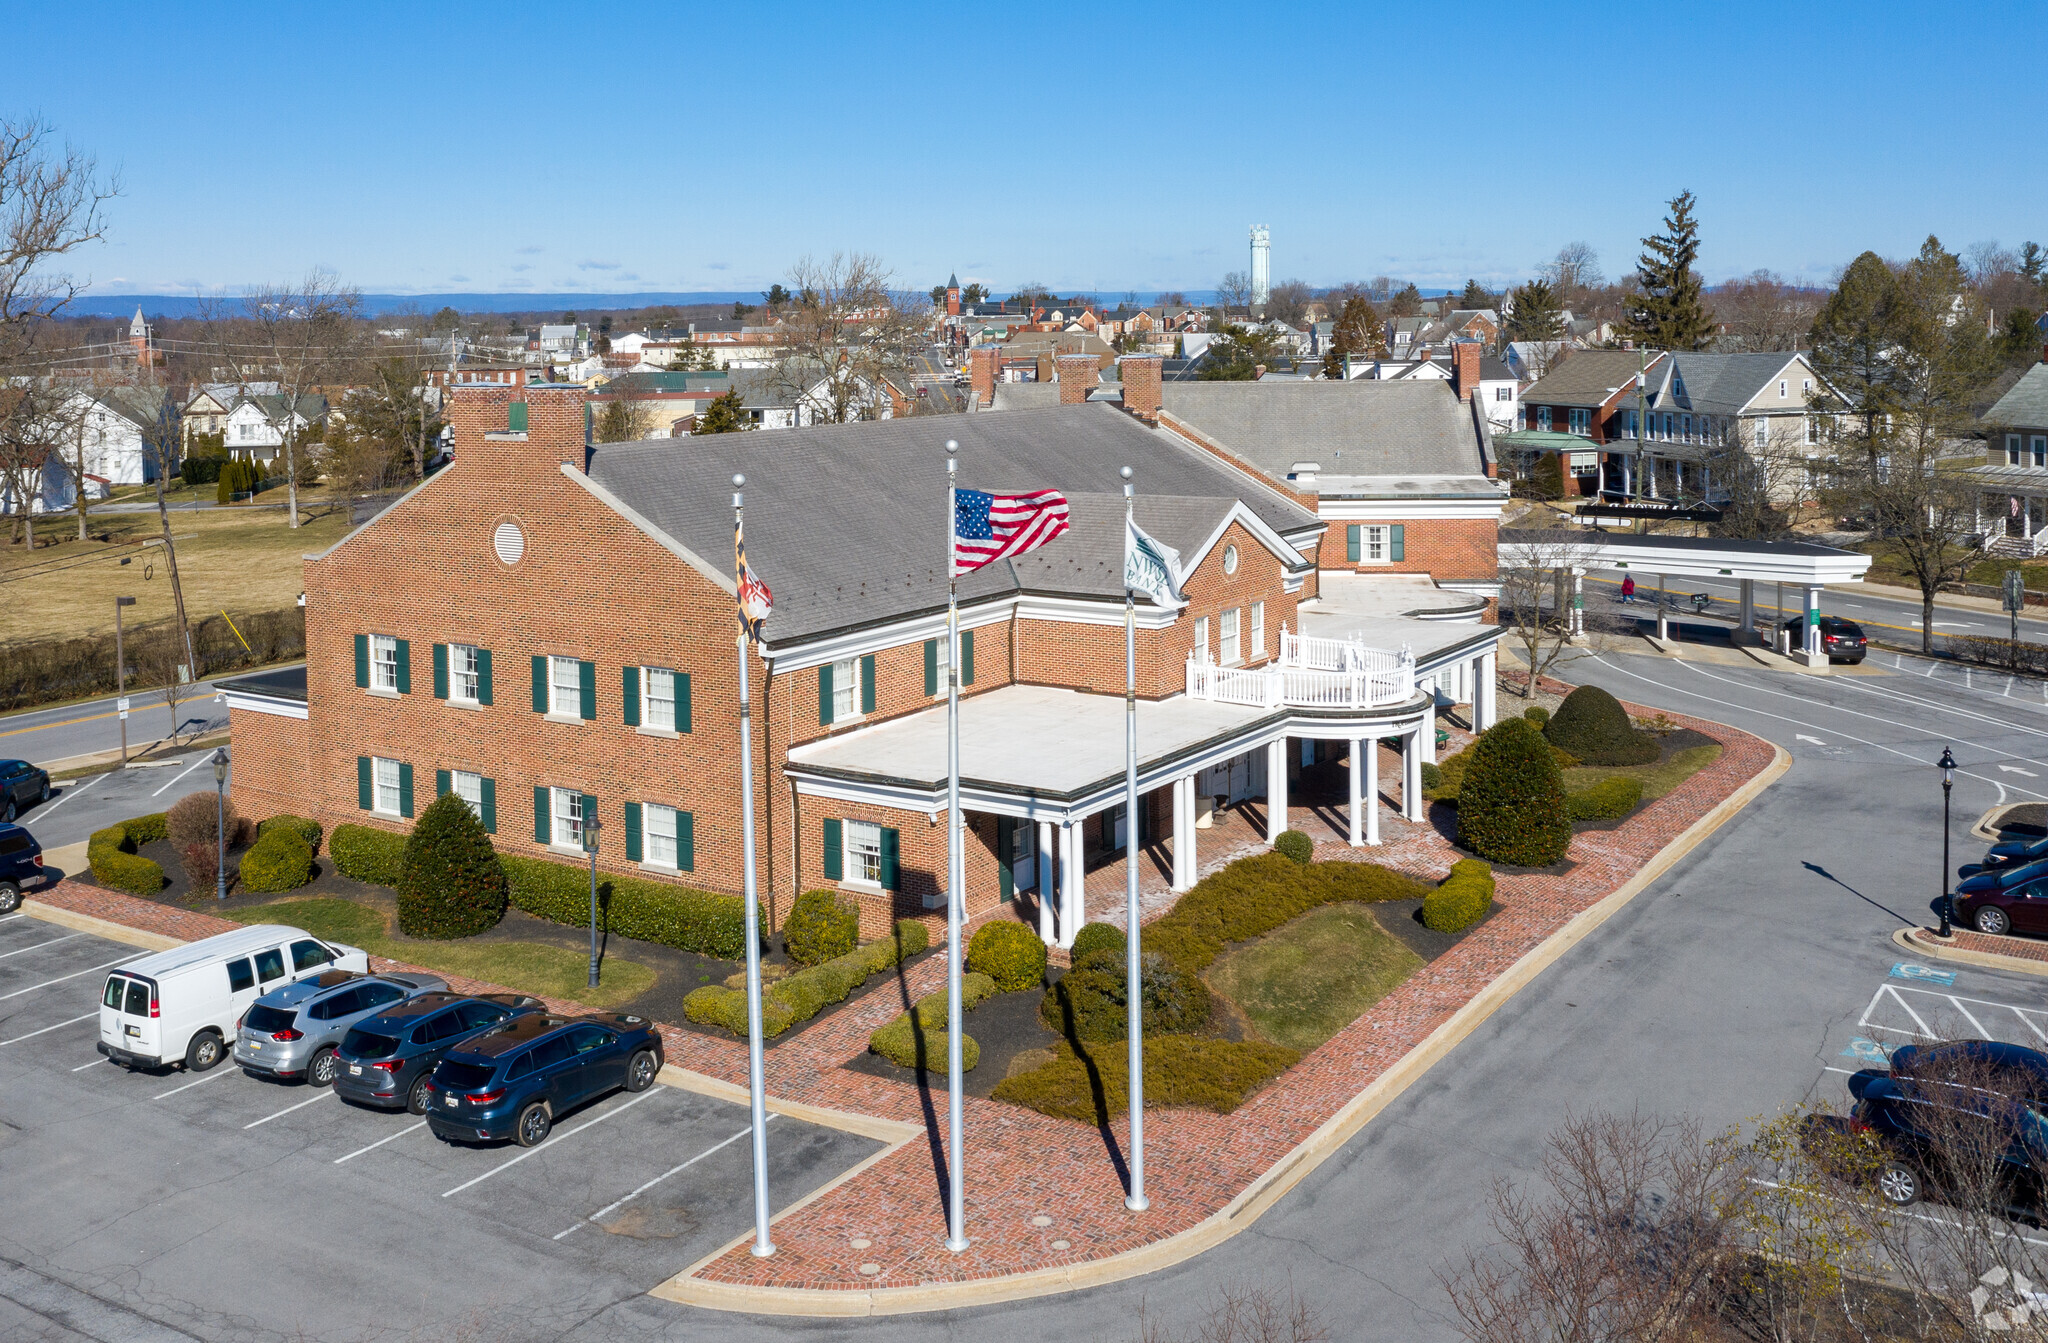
255,425
108,427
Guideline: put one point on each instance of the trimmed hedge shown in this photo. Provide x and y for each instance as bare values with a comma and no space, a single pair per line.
1091,1002
1537,714
1432,779
375,856
1608,800
1095,937
1461,900
280,861
1256,895
1296,845
1593,726
1511,805
115,863
1009,954
801,996
918,1038
451,883
820,926
651,911
200,818
1440,783
308,830
1092,1085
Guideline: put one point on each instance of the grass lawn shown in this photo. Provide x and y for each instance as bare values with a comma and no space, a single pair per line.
1658,779
1306,980
528,967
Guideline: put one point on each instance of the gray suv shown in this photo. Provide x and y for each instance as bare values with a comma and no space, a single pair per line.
293,1031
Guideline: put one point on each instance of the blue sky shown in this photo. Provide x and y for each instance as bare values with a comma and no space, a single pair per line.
683,147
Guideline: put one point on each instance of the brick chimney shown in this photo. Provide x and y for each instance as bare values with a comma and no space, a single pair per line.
516,431
1078,374
1464,369
1141,373
981,364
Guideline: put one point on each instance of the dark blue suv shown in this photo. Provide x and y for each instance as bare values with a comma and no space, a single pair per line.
21,862
516,1080
385,1060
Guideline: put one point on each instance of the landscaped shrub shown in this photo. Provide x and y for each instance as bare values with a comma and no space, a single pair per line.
115,863
1009,954
1294,844
1432,779
375,856
1256,895
1537,714
192,819
236,477
1511,805
821,925
1092,1084
1593,726
1463,898
1608,800
450,884
201,862
801,996
713,1005
908,1043
280,861
1091,1001
308,830
1094,938
651,911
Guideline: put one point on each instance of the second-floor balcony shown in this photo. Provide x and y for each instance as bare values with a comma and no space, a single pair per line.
1311,673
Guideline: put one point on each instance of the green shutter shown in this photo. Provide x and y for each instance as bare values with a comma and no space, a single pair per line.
1351,548
1006,880
441,784
543,824
1397,542
890,848
362,662
966,657
404,665
483,676
682,701
515,417
489,805
629,678
404,789
363,782
586,676
632,832
440,671
686,842
867,683
589,811
834,851
931,667
825,697
540,685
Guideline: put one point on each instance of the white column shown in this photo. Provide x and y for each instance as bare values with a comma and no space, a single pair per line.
1183,832
1411,773
1663,618
1483,693
1812,627
1369,747
1427,736
1073,901
1276,789
1047,883
1747,608
1357,836
1578,601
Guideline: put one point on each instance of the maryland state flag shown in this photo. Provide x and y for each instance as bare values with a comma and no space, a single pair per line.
755,601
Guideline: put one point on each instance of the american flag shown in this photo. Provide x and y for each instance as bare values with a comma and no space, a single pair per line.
991,527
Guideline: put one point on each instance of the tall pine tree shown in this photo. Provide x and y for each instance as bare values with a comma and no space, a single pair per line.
1668,312
1356,332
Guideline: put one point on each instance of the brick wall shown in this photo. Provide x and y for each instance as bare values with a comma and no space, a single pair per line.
1451,549
270,763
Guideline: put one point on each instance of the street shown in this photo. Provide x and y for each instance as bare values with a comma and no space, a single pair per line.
67,731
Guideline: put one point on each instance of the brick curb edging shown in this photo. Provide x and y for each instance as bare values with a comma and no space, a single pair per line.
1979,949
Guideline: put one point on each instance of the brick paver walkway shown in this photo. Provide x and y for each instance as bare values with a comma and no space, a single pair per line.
1022,1165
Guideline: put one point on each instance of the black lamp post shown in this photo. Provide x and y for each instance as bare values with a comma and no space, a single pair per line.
220,823
590,828
1947,766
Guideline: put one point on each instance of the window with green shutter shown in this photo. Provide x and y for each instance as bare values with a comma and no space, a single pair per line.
488,804
362,662
586,674
441,783
931,667
966,657
540,685
825,700
404,789
835,850
1351,543
891,865
867,683
404,665
515,417
543,822
686,842
441,673
1397,542
483,676
682,701
632,832
629,692
363,782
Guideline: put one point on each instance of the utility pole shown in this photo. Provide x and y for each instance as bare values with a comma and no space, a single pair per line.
121,676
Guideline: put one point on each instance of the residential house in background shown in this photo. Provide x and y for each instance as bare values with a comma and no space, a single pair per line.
255,424
2013,505
111,428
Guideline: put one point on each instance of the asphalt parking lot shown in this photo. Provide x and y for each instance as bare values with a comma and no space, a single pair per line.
221,1204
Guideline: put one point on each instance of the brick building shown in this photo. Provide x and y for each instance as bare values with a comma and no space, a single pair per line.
546,627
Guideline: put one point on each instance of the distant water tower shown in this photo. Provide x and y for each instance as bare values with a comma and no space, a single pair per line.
1262,265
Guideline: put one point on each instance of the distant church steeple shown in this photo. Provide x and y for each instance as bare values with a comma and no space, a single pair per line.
138,338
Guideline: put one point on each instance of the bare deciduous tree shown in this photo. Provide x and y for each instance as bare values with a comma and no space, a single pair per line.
1234,291
1762,314
1240,1312
1573,272
1289,302
844,338
1531,563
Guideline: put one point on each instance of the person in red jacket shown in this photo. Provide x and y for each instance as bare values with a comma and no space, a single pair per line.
1628,587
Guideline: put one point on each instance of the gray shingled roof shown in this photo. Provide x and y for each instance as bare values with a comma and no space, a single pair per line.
1588,378
1380,428
2026,405
1722,384
846,523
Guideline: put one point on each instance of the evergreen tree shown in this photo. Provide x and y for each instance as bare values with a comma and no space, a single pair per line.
1668,312
1854,336
2019,343
1407,303
725,415
450,882
1236,354
1357,331
1537,315
1476,295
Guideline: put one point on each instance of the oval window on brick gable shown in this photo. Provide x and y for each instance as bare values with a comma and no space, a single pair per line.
509,542
1230,559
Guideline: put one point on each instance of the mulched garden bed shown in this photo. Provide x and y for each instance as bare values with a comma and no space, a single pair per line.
1403,918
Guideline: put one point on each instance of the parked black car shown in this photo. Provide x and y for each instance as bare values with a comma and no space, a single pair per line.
1969,1091
1999,878
2015,851
21,863
1842,640
516,1081
385,1060
22,785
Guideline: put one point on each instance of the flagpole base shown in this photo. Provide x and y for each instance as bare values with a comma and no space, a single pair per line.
957,1243
1137,1203
762,1249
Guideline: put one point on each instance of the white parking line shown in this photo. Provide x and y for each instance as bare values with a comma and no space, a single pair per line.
380,1142
187,770
9,918
70,793
325,1095
40,945
83,1066
549,1143
215,1077
47,1029
61,978
611,1208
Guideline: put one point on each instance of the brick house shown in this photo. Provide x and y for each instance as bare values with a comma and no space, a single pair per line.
546,628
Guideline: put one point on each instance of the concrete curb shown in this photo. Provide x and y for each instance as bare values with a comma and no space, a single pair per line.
892,1132
1987,825
107,928
1251,1203
1928,944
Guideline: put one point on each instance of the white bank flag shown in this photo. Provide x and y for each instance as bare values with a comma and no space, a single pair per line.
1149,566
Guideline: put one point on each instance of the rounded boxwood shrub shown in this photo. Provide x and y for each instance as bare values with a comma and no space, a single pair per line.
192,819
280,861
1592,725
115,863
1511,805
1009,954
308,830
1090,1001
450,883
1608,800
1294,844
375,856
1537,714
821,925
1461,900
1096,937
908,1043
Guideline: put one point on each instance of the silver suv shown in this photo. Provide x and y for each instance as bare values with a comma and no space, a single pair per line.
293,1031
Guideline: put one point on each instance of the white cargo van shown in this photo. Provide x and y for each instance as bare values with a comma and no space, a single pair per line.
183,1004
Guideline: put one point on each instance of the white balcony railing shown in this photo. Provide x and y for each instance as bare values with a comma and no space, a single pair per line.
1311,673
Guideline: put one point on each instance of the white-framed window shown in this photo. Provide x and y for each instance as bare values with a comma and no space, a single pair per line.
1763,432
1258,629
1201,638
2013,450
658,700
2040,451
661,835
465,675
470,788
1685,428
384,797
1226,635
864,852
1667,427
1543,419
1806,385
1503,393
942,664
1581,420
1783,389
1372,544
845,689
383,663
565,688
567,809
1808,424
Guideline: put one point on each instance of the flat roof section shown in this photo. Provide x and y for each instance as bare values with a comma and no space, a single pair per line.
1688,556
278,683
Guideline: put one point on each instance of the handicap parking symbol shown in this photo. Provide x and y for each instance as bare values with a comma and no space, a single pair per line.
1922,974
1868,1051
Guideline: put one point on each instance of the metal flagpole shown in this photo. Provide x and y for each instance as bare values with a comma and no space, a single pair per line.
756,1085
1133,991
956,879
